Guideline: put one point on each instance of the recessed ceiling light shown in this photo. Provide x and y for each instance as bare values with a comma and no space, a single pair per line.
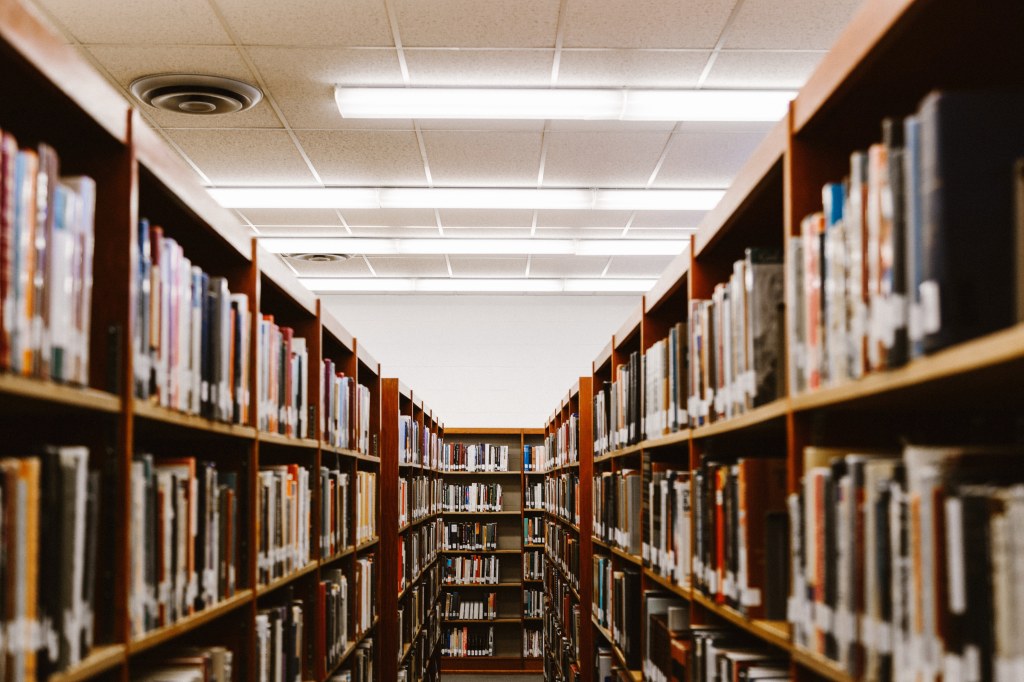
468,197
563,104
328,285
474,247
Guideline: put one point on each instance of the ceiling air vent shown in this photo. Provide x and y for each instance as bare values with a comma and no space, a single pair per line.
193,94
318,257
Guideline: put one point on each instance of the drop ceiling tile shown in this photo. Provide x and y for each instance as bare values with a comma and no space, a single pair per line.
139,22
390,217
805,25
602,159
302,231
487,232
479,159
646,23
244,157
479,126
631,68
471,217
292,216
638,266
578,233
479,68
477,266
394,232
709,160
611,126
567,266
125,63
477,23
565,218
762,69
353,23
677,219
353,267
302,82
660,233
364,157
409,266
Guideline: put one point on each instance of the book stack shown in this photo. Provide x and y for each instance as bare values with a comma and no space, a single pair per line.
561,496
463,535
617,412
735,345
740,521
626,614
472,497
471,570
332,610
888,271
365,600
533,603
456,608
49,509
536,458
907,562
282,381
409,441
208,663
533,565
533,643
184,530
667,547
533,495
468,641
46,229
533,530
285,522
665,384
334,501
415,498
361,668
480,458
666,617
280,642
564,443
191,342
366,506
563,547
345,407
562,635
416,550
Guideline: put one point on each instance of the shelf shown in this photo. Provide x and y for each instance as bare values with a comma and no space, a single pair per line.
164,415
168,632
534,580
480,473
759,415
667,440
352,647
417,522
601,543
558,567
59,394
532,546
616,454
288,441
563,521
345,452
482,620
515,584
100,659
480,551
284,580
366,545
412,583
533,510
821,666
635,674
480,513
632,558
667,584
773,632
340,555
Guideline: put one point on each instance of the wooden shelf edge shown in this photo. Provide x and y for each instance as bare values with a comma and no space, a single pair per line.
167,416
774,410
366,544
479,473
287,441
665,583
284,580
632,558
820,665
47,391
483,621
168,632
516,584
100,659
480,551
775,633
340,555
635,674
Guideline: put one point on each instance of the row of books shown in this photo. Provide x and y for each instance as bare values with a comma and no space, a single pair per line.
908,564
472,497
562,623
284,520
184,538
617,607
666,383
563,547
365,600
533,603
471,535
533,530
280,641
346,407
533,643
888,270
282,386
49,513
46,254
533,565
366,506
417,445
618,498
454,607
192,335
679,651
481,457
536,458
471,570
418,496
533,495
417,549
334,512
563,444
361,668
419,607
419,639
736,345
204,664
666,619
561,496
740,535
617,408
667,546
468,641
332,608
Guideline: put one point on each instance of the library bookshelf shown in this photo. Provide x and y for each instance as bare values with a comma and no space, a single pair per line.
890,57
96,132
510,623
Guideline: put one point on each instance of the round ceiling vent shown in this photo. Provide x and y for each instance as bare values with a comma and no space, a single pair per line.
193,94
318,257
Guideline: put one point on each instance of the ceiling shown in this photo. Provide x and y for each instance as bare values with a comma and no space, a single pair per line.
296,51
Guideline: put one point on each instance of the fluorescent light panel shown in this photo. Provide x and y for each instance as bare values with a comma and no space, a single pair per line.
562,104
468,197
474,247
327,285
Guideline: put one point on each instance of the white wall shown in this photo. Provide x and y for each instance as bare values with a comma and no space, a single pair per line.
488,361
